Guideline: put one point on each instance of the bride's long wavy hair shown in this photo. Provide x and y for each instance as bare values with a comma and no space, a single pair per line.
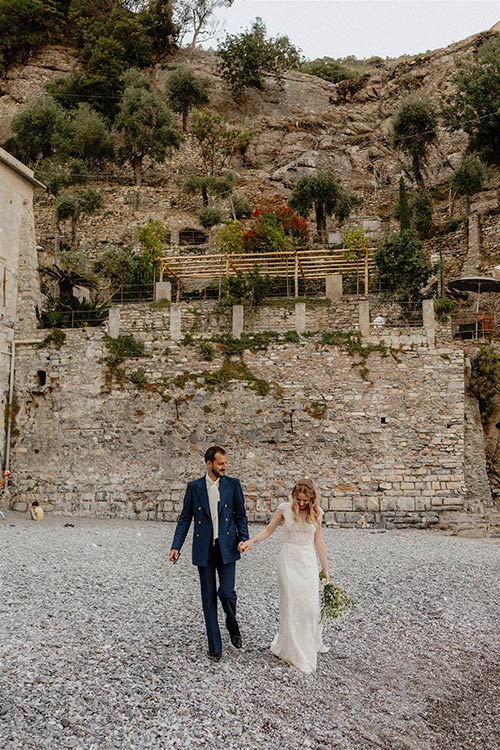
313,513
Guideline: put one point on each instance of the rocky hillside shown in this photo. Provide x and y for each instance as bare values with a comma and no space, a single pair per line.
310,124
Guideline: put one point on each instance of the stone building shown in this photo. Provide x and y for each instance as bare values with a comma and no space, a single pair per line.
19,284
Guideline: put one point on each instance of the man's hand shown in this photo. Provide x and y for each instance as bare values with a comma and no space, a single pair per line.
174,555
244,546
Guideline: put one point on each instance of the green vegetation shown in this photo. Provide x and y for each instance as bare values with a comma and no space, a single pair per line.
352,343
240,206
246,59
139,378
475,106
274,230
403,267
323,193
217,140
209,216
249,287
237,371
57,337
328,69
443,306
208,187
111,35
122,348
229,370
206,351
485,380
26,25
414,130
468,178
316,409
421,209
145,123
72,205
65,310
403,208
185,91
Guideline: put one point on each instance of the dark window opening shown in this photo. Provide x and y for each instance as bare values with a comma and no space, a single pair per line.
41,377
383,420
192,237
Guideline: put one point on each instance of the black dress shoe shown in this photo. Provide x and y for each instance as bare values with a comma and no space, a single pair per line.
214,657
236,641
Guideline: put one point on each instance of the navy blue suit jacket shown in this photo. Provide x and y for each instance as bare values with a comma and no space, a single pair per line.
233,525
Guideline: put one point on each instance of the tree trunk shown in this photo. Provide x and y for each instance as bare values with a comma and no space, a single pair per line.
417,169
74,228
320,221
185,120
204,194
137,164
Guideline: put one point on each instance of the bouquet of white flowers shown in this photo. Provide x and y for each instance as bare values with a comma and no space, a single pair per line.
334,601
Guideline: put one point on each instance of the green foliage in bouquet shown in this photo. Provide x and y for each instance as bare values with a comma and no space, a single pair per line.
334,601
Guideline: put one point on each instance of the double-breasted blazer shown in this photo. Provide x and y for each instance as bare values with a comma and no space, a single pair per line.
233,525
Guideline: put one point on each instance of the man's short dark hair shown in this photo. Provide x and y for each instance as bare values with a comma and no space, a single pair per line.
211,452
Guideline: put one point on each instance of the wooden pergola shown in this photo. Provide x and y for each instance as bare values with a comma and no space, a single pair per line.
305,263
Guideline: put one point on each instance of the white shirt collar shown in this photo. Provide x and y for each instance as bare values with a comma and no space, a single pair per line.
211,481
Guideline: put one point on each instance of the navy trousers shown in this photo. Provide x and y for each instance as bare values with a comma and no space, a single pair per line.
226,594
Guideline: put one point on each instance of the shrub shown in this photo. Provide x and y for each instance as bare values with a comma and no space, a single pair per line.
209,216
485,379
229,237
327,69
206,351
241,207
250,288
275,229
442,307
122,348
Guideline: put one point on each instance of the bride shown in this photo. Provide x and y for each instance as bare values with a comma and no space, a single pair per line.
299,638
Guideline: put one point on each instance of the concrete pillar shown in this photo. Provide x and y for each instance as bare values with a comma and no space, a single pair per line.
237,321
175,321
473,260
163,290
364,317
334,286
300,317
114,322
429,321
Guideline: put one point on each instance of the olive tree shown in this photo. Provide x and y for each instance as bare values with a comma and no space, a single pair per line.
185,91
322,192
145,124
414,130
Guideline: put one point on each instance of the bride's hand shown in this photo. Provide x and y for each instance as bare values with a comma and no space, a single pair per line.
245,546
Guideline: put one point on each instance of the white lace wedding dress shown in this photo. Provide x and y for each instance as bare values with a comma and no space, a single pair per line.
300,632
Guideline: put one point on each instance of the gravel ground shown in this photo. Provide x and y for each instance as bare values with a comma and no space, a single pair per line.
103,645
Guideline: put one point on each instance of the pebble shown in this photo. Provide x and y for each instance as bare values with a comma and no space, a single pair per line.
108,650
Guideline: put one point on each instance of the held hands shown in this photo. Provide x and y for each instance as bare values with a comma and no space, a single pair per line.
245,546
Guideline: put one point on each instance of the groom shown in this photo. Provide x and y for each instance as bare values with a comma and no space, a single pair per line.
216,503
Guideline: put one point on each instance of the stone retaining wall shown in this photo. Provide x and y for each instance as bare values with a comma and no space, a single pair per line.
383,437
